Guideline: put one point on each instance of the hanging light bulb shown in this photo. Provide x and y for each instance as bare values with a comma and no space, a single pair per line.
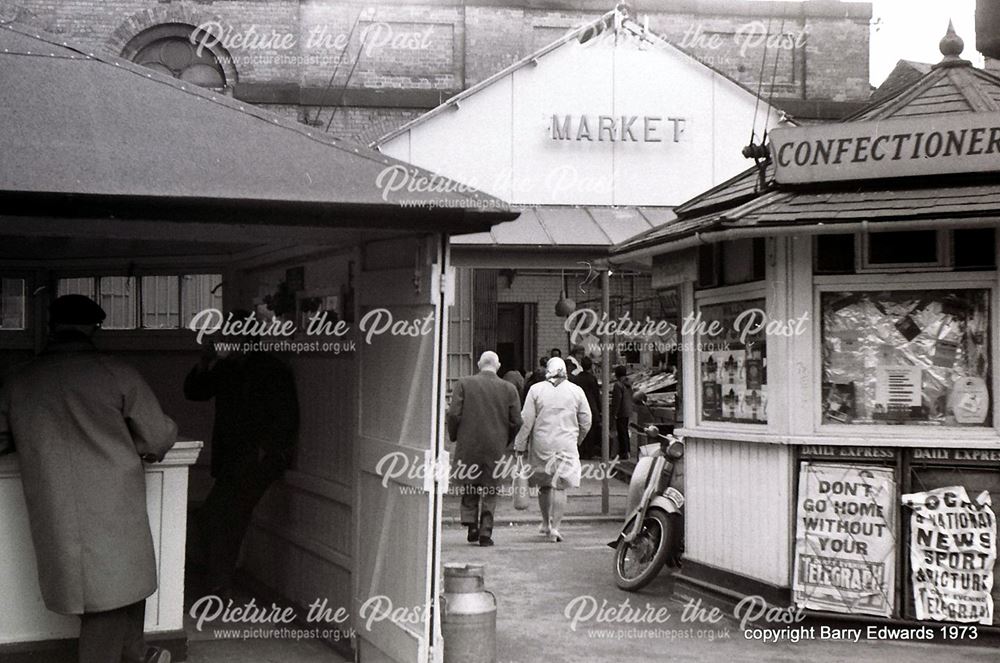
565,305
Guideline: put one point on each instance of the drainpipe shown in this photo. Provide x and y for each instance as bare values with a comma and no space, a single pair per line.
605,392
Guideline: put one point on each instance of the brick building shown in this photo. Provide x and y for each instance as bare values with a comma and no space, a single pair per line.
364,69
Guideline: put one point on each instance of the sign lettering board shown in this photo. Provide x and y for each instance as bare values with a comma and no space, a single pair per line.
844,539
953,547
904,147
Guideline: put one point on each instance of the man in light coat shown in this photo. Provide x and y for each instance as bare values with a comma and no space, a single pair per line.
484,415
82,424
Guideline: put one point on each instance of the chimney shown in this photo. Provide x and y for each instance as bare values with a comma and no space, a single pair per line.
988,29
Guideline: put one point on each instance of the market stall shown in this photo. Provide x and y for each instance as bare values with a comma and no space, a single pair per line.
839,369
163,200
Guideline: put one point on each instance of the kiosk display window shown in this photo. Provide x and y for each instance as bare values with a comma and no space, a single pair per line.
12,303
733,363
906,357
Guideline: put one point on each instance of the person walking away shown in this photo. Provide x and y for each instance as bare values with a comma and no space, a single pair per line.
82,424
516,379
482,419
556,420
253,438
537,375
591,447
621,410
574,362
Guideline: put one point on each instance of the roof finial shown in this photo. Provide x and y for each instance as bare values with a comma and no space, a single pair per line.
951,44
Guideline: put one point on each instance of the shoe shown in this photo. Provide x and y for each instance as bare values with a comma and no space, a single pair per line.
485,541
543,529
555,536
157,655
473,534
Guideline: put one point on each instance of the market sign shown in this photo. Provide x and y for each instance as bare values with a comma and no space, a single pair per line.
617,128
953,547
845,539
904,147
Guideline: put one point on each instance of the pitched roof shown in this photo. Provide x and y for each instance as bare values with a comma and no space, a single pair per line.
617,19
564,226
751,200
82,127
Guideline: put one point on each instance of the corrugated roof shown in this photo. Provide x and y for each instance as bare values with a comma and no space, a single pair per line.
82,124
562,226
951,86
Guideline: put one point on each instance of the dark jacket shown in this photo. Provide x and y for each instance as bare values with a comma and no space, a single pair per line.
80,421
621,399
484,416
588,382
256,410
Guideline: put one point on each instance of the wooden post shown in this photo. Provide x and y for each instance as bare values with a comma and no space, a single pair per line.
605,393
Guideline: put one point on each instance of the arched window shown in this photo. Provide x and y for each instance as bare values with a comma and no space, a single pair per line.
170,50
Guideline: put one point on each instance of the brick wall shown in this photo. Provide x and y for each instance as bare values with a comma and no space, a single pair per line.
439,47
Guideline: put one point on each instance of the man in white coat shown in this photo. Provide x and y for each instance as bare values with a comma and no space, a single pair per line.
83,424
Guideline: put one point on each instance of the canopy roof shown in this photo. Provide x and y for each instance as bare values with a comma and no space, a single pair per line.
753,200
94,136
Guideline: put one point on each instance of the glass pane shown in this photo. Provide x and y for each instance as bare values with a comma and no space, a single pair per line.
160,302
12,303
733,362
200,292
81,286
118,299
906,357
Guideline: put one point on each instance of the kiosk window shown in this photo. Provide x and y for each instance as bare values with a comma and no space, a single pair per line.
733,363
906,357
11,303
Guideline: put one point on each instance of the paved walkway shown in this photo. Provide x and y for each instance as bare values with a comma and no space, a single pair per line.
540,586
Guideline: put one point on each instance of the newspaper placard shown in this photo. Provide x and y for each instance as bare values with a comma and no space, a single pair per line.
844,539
953,547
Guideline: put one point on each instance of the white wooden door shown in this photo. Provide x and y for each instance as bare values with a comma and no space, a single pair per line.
397,509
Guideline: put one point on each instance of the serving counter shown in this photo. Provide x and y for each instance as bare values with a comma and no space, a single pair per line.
26,625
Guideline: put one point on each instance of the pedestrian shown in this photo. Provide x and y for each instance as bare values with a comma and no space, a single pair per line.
82,424
556,420
555,352
537,375
516,379
482,419
591,447
621,410
574,362
253,438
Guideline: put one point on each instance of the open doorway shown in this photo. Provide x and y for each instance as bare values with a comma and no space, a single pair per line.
516,336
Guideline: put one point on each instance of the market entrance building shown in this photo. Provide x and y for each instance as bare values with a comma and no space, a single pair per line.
113,184
842,422
594,138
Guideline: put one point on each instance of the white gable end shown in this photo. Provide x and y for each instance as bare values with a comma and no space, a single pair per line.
617,120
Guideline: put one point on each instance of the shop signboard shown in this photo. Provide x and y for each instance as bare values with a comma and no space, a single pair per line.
903,147
953,547
845,540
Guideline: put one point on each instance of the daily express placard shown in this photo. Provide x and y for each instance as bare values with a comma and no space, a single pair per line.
953,547
844,542
950,143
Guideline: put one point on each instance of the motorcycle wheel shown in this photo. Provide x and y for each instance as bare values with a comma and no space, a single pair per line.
637,563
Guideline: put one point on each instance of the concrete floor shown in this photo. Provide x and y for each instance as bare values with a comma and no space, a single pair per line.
536,582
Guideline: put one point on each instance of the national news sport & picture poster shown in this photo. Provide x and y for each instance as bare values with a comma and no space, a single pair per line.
844,540
953,547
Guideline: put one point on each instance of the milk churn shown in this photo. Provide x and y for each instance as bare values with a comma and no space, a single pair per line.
468,616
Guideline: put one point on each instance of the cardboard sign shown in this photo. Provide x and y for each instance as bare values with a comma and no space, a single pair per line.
953,547
844,539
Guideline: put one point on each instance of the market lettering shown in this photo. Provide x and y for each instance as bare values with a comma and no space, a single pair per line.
617,128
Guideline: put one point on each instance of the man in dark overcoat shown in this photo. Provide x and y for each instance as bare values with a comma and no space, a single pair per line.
82,423
484,416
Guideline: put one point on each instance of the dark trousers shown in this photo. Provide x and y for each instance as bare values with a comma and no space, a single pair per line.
226,515
114,636
478,505
621,427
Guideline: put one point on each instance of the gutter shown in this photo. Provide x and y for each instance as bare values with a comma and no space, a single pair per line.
821,228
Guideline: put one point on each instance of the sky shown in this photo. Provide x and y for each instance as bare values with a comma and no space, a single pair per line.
911,30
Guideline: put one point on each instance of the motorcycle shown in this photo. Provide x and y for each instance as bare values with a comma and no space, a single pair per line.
653,534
